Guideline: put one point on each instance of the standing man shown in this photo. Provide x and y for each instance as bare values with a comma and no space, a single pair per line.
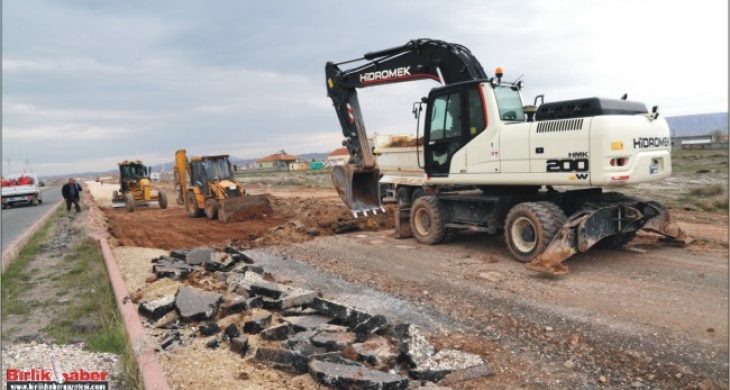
71,191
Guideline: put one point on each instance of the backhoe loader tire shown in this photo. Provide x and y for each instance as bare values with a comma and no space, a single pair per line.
403,196
192,206
428,220
130,202
211,209
417,193
530,227
162,199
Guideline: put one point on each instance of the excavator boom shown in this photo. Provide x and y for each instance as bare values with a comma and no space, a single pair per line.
357,181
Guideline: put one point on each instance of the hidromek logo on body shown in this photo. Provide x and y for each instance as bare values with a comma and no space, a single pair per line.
385,74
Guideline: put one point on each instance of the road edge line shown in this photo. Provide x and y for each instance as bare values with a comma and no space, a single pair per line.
12,251
150,368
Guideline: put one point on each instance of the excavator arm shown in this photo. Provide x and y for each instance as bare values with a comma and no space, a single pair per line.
357,181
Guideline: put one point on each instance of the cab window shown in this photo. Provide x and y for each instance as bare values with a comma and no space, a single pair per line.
476,112
446,117
509,103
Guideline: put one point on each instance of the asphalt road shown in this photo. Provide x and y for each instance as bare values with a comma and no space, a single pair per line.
17,220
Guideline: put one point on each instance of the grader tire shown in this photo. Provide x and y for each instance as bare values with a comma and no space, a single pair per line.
211,209
162,199
530,227
130,202
428,220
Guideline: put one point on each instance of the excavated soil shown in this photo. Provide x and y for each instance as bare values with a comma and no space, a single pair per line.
294,220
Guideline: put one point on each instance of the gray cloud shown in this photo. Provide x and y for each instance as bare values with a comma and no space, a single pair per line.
90,83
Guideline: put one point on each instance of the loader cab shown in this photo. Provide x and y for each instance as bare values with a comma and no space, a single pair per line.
209,169
455,114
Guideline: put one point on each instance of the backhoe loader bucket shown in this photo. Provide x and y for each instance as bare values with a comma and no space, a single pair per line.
358,188
244,208
595,222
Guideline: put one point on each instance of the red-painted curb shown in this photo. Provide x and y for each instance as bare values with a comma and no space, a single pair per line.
150,368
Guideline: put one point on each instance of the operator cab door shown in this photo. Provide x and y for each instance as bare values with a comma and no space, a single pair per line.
198,177
444,131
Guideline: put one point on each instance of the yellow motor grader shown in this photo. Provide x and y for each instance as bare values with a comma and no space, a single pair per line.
135,188
205,185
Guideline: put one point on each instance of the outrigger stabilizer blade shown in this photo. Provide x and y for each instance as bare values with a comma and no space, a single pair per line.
358,188
595,222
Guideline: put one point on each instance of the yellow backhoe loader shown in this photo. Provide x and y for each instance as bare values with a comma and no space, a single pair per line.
135,188
205,185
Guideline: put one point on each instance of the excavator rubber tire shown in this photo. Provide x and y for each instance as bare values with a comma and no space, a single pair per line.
211,209
544,222
417,193
192,206
162,199
130,202
428,220
403,196
559,217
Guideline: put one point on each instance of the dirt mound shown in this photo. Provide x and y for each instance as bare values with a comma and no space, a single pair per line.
293,220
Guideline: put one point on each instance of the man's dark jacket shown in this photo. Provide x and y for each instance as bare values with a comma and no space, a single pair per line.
66,190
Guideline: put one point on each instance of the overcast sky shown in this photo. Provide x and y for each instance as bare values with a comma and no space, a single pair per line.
90,83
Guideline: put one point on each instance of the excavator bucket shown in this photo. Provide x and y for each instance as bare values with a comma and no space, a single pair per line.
595,222
358,188
244,208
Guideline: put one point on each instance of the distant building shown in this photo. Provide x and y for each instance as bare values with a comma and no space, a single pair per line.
299,166
338,156
710,141
277,161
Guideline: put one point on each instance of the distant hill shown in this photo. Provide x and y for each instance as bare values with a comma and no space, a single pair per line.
698,124
168,166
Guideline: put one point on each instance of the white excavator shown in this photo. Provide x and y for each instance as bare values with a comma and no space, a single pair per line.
490,162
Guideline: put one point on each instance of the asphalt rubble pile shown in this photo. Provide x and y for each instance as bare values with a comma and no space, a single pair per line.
229,299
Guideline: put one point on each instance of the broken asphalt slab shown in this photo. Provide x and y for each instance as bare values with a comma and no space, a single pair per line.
257,322
155,309
348,315
354,376
195,305
416,349
307,322
445,362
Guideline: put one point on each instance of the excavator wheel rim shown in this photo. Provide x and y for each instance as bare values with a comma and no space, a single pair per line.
423,221
524,234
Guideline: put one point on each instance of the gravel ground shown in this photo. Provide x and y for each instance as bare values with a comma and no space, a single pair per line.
69,358
102,192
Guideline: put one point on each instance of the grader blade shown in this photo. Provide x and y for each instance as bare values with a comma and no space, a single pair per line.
595,222
119,203
244,208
